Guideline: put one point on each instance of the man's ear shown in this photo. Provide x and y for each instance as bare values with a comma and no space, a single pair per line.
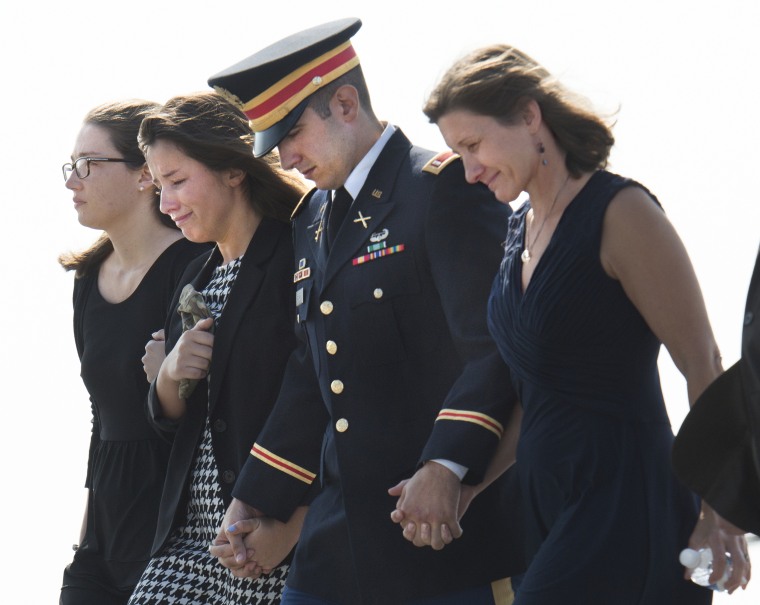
345,102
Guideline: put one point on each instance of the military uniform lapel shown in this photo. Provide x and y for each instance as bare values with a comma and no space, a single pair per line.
371,207
316,226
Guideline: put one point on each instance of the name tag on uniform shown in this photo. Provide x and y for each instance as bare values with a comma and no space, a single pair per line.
299,297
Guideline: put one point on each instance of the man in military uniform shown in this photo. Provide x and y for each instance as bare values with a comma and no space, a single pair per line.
395,258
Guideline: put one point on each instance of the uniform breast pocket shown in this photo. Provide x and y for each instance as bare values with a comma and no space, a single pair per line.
377,293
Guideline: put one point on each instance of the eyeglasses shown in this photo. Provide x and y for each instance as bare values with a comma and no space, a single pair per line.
82,166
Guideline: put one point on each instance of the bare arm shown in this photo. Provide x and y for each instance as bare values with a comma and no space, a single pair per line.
642,250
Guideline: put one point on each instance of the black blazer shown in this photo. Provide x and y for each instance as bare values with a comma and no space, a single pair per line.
751,374
251,345
393,326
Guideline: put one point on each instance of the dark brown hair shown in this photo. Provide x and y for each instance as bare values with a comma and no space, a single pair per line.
498,81
211,130
121,120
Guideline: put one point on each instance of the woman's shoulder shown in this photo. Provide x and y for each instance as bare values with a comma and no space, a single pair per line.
610,185
181,257
183,250
182,254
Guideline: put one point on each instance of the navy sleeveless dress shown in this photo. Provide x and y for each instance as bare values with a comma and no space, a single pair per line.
605,516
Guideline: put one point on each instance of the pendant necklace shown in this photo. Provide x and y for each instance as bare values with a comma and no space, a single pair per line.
525,256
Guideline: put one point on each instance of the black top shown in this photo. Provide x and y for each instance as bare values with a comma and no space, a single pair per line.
127,459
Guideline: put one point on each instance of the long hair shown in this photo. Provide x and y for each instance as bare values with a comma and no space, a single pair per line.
121,120
211,130
498,81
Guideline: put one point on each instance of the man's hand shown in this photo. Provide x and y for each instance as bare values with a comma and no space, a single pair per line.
427,508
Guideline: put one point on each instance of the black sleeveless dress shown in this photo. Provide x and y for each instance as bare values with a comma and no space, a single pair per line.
606,518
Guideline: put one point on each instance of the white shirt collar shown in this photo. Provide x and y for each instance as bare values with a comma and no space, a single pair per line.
358,176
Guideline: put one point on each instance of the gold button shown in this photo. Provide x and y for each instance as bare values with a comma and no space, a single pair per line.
342,425
326,307
336,386
378,293
332,347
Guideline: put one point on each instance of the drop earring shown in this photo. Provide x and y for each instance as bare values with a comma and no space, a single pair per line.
542,150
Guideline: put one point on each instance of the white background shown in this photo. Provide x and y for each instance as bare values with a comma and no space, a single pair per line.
682,76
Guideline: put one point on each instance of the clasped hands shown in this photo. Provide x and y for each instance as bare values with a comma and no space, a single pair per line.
430,505
250,544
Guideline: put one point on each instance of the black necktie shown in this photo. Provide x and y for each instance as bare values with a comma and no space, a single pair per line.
338,210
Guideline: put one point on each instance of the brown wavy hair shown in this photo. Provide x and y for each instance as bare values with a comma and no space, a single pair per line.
211,130
499,80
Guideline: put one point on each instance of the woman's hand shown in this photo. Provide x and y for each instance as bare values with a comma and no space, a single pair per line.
709,532
191,356
189,359
155,353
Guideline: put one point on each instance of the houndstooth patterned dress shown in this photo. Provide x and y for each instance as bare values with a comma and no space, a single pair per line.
185,573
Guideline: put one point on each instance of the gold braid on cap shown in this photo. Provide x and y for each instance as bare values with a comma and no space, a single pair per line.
228,96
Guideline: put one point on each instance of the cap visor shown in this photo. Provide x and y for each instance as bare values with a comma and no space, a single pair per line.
266,140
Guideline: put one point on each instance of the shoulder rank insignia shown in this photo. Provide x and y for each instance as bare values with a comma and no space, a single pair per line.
302,203
440,161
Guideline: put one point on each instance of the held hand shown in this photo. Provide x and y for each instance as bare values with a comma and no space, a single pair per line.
709,532
191,356
228,535
223,551
155,353
267,541
466,496
427,506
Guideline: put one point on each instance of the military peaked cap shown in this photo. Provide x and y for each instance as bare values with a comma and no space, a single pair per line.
272,86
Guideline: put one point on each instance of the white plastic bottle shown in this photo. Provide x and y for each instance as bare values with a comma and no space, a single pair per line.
700,564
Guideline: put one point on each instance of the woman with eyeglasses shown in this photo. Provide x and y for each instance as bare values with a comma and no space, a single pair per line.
199,148
122,288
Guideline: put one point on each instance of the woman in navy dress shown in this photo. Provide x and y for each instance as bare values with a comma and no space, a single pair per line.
593,281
